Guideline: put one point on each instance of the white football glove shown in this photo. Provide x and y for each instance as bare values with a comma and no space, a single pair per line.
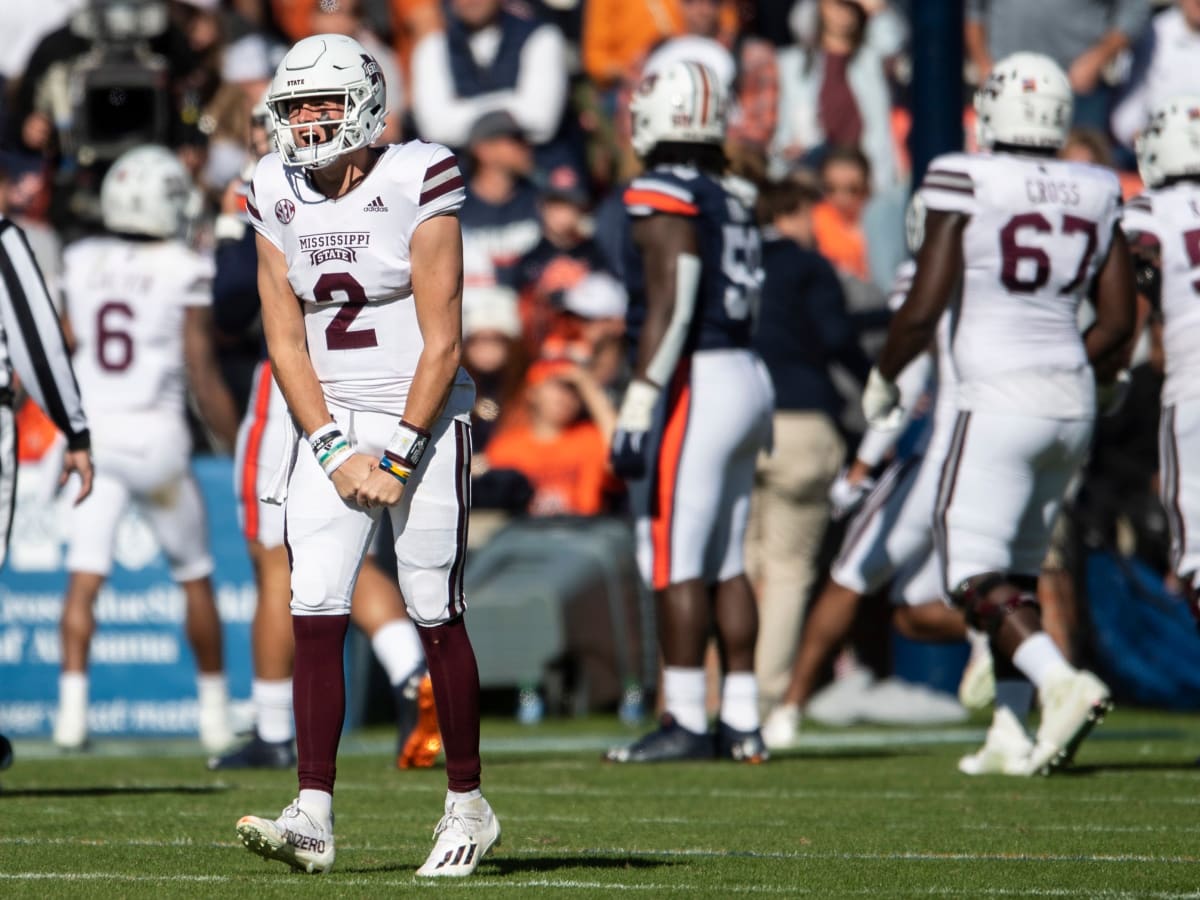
845,496
881,402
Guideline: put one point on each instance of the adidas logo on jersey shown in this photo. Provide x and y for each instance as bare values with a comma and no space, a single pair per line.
376,205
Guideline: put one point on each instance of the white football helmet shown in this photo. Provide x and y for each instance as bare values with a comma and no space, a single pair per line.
148,191
328,65
1025,102
685,102
1169,145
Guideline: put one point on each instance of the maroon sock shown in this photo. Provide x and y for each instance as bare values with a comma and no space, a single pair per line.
455,676
319,697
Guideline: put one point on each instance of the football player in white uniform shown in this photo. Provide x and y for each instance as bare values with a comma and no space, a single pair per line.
264,446
891,537
1163,225
137,306
1027,236
360,276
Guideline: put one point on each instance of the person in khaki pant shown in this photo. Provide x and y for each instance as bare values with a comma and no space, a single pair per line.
803,328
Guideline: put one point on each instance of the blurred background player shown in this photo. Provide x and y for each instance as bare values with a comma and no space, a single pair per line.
1027,381
262,450
891,538
32,348
697,411
1163,225
137,308
365,340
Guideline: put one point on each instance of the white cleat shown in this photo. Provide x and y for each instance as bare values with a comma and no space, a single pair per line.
295,838
466,834
781,727
977,689
1005,752
1071,706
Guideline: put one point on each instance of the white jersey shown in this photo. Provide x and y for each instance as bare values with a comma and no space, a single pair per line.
126,301
1171,216
348,263
1038,233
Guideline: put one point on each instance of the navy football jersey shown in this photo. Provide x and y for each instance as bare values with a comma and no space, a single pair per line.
731,273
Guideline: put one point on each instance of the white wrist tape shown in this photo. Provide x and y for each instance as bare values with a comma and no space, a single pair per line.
330,447
407,445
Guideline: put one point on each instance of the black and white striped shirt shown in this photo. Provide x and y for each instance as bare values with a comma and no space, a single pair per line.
31,339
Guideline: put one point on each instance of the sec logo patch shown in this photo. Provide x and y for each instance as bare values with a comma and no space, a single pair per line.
285,211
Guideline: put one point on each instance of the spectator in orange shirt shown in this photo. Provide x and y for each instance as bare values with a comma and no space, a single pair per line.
837,220
563,453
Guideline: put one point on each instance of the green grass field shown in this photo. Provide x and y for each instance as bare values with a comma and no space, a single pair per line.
852,813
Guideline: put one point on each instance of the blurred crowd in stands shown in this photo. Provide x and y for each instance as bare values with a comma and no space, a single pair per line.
533,96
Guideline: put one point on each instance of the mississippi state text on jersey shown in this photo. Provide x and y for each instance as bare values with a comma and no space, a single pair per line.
348,263
730,251
126,302
1039,229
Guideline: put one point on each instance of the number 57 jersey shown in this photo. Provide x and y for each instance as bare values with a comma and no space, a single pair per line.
348,262
1038,233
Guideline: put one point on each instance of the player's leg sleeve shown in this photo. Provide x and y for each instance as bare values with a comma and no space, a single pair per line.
326,540
177,515
431,528
92,526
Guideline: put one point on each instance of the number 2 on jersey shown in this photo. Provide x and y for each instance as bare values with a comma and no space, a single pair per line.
1013,253
338,335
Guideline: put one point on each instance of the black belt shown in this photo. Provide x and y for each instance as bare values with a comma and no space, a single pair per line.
6,396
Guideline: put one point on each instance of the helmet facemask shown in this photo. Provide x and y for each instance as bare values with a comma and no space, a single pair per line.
345,133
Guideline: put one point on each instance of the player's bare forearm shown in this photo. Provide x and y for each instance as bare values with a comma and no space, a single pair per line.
436,251
939,269
287,344
662,239
212,396
1108,340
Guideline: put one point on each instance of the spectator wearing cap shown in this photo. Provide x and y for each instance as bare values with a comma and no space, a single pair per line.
563,255
1164,62
1082,36
346,17
500,216
593,317
803,330
492,356
561,443
489,59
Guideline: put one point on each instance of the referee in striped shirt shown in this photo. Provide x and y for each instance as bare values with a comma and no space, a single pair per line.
32,344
